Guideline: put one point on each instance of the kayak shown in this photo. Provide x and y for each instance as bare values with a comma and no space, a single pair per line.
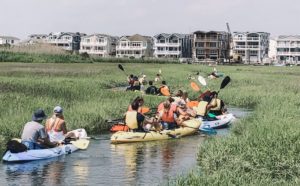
192,126
40,154
221,122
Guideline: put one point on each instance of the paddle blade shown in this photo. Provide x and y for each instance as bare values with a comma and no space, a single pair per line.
195,87
121,67
192,104
165,91
202,80
81,143
225,82
145,110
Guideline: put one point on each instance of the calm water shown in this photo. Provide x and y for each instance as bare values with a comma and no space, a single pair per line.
150,163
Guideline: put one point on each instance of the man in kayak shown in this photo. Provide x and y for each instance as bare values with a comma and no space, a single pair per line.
56,126
151,89
136,121
167,115
34,135
164,89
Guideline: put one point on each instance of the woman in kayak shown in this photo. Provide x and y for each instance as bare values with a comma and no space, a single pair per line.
136,121
56,126
140,101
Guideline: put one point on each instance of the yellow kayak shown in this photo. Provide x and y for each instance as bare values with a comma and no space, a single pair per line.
192,126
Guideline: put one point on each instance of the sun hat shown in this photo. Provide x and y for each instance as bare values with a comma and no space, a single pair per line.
39,115
58,109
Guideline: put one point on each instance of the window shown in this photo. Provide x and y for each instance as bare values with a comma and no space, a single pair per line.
123,44
213,52
161,41
213,44
199,44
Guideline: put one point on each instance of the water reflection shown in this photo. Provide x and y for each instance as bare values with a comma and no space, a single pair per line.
149,163
36,172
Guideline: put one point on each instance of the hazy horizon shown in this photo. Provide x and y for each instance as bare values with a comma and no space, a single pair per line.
21,18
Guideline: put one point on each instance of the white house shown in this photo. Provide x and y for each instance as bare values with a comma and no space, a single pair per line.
253,47
272,49
288,49
98,44
172,45
9,40
67,40
135,46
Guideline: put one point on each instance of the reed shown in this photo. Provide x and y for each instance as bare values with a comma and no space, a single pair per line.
262,149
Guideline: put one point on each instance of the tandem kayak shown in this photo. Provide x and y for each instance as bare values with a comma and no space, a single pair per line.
221,122
192,126
40,154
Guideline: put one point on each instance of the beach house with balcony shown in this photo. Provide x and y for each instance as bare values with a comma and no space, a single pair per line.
212,45
172,45
288,49
67,40
9,40
253,47
136,46
99,45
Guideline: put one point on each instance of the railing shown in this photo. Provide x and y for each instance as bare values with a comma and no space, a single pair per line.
167,52
289,53
131,47
166,44
93,43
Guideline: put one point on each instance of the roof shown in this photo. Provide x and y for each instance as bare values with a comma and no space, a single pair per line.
9,38
99,36
210,32
247,33
170,35
137,37
288,37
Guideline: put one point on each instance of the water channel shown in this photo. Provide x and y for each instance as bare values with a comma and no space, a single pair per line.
149,163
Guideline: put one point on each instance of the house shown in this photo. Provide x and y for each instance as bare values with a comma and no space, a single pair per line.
172,45
288,49
212,45
67,40
253,47
135,46
98,44
9,40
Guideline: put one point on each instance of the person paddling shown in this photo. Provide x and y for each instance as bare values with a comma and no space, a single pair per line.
34,135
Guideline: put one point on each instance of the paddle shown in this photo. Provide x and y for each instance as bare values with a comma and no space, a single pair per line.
81,143
121,68
202,80
224,83
195,87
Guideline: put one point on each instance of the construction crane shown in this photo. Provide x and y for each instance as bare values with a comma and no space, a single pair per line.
229,43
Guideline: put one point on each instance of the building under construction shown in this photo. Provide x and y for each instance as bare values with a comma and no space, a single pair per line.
212,46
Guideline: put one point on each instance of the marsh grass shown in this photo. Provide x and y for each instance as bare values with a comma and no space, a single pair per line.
262,149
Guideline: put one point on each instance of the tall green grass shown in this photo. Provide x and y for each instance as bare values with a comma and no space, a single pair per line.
262,149
64,57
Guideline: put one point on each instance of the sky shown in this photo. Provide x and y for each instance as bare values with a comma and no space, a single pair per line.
21,18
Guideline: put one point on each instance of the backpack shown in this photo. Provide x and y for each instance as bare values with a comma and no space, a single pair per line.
15,147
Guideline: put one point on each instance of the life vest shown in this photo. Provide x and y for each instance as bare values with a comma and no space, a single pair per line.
164,90
217,104
201,109
167,116
131,119
161,107
54,123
